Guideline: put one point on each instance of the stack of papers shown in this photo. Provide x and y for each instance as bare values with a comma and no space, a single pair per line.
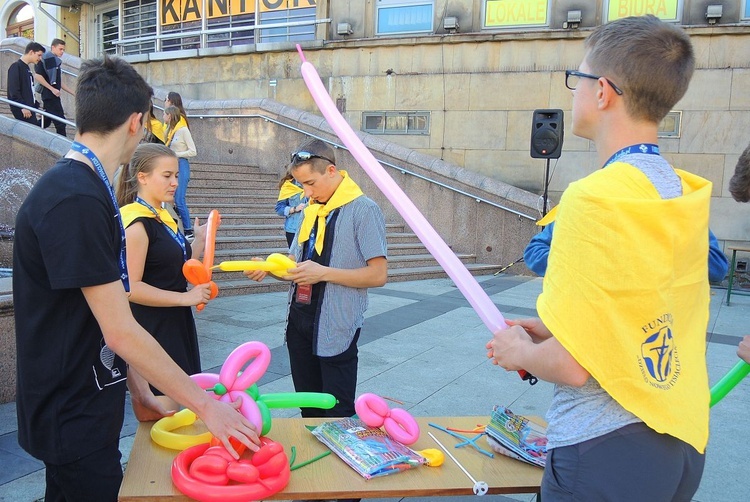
368,450
517,437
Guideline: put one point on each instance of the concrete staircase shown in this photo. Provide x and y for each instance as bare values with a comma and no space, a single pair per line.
246,197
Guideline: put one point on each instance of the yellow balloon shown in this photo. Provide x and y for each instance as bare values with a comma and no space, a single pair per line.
433,456
276,264
161,431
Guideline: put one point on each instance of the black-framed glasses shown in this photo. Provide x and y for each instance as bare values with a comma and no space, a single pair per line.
300,157
572,77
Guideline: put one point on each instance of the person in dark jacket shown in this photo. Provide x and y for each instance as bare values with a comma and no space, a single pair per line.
49,76
21,83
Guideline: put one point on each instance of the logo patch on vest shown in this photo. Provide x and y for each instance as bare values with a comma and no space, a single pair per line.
658,360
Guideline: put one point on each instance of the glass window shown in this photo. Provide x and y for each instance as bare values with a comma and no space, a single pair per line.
138,21
666,10
396,122
515,13
745,14
287,33
107,31
404,16
670,125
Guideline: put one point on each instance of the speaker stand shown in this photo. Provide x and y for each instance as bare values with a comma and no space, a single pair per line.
546,186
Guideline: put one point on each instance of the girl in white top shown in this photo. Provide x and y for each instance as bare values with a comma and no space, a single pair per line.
179,139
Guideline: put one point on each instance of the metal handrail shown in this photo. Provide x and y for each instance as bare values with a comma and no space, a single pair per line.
6,49
40,112
343,147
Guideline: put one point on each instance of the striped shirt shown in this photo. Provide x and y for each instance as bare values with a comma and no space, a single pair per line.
359,235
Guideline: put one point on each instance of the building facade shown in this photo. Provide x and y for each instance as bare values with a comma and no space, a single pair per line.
457,79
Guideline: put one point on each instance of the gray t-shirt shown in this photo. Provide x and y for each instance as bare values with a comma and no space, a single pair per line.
578,414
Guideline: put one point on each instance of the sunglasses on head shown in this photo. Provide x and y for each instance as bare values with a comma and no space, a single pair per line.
300,157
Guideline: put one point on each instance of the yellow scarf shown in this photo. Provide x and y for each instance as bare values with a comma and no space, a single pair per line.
626,293
288,190
170,132
135,210
157,129
346,192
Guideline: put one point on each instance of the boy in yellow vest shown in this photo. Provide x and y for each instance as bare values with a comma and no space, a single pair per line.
624,307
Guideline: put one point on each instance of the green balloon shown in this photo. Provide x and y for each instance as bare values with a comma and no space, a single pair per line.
298,400
265,414
253,391
729,381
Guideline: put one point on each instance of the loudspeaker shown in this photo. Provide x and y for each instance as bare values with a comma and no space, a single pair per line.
547,134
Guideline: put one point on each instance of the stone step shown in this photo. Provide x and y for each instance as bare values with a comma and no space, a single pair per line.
199,166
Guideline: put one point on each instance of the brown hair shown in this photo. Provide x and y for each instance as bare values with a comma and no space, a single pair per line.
739,185
143,161
174,118
319,148
650,60
176,100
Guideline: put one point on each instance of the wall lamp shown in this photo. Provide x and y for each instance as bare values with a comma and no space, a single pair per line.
574,20
450,24
713,13
344,29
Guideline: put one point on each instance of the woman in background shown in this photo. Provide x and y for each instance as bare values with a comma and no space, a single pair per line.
177,137
174,99
291,203
154,128
157,250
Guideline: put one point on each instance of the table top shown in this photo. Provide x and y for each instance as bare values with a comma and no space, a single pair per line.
148,478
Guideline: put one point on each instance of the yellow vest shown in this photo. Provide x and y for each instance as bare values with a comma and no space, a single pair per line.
626,293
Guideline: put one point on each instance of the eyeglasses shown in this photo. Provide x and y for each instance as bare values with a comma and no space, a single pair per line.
300,157
572,78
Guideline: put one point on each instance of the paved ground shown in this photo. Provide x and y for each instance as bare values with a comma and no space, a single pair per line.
423,344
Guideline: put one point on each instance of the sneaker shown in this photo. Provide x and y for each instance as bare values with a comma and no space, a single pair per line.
189,235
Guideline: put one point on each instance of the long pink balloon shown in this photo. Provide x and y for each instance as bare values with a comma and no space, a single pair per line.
469,287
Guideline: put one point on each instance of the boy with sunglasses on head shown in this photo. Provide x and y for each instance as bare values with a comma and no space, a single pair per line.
624,307
340,250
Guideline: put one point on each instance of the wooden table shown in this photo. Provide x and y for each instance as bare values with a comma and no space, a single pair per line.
147,476
732,268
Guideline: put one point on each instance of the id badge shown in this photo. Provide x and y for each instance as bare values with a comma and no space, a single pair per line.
304,294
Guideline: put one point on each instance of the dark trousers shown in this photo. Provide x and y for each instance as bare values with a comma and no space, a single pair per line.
94,478
54,106
18,114
335,375
631,463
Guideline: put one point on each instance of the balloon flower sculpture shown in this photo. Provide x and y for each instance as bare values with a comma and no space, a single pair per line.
205,470
210,474
447,259
232,383
200,273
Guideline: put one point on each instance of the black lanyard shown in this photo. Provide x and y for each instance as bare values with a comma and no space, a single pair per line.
78,147
178,237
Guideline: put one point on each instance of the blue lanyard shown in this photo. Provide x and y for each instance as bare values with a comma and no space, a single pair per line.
311,241
645,148
78,147
178,237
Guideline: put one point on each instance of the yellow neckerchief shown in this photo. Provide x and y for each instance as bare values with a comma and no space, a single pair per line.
548,218
170,132
288,190
626,293
135,210
157,128
346,192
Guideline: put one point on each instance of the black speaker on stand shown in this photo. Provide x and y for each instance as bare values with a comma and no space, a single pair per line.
546,141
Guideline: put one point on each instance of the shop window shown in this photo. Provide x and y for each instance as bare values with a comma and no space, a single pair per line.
417,123
404,16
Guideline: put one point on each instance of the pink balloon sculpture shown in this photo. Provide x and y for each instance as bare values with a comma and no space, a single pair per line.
469,287
399,424
231,383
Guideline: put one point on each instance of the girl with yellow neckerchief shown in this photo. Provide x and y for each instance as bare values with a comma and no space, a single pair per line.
156,251
177,137
291,203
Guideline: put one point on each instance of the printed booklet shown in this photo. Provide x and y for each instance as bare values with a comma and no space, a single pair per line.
368,450
517,436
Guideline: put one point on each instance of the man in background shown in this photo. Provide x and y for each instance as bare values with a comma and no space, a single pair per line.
49,76
21,83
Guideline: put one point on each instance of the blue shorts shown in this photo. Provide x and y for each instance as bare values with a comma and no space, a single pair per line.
632,463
